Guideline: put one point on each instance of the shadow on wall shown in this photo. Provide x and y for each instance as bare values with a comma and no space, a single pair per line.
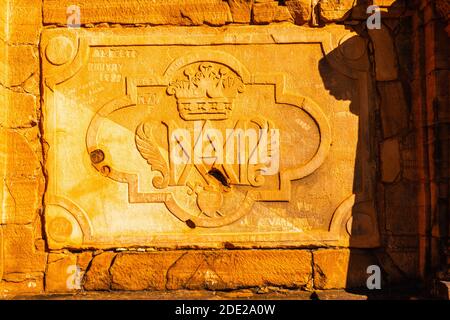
367,70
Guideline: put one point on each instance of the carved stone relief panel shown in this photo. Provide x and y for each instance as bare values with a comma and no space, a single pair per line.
233,137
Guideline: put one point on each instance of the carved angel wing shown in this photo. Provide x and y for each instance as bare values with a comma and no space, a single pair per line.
149,150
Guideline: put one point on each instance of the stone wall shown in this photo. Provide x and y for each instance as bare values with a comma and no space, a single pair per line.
409,78
430,26
22,244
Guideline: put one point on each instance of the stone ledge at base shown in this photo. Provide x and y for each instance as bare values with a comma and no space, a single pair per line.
246,294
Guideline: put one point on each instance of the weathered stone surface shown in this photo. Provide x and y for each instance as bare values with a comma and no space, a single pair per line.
270,11
23,183
88,190
62,274
394,109
159,12
388,9
335,10
25,21
84,259
386,63
97,277
3,22
22,161
193,271
32,84
20,254
25,283
212,270
206,205
402,204
241,10
413,168
241,269
218,295
142,271
390,160
22,199
341,268
23,62
300,10
279,268
331,268
406,261
21,110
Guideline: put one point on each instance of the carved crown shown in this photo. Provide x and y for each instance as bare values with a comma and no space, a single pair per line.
206,91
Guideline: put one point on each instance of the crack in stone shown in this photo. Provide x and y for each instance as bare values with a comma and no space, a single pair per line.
171,267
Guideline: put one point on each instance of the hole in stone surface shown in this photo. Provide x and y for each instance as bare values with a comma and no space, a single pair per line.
105,170
228,245
219,176
314,296
97,156
190,224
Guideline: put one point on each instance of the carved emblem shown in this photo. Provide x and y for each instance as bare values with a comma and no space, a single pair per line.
215,163
206,92
214,140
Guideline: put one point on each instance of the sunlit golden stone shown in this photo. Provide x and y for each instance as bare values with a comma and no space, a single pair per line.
127,113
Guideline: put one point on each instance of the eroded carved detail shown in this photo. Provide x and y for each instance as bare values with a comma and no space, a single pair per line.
130,138
204,91
150,152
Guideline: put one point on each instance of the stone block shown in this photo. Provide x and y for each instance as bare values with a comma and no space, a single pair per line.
341,268
221,270
21,283
21,109
153,12
267,12
84,259
97,277
402,208
142,271
394,108
240,269
335,10
25,21
19,251
62,274
241,10
300,10
390,160
23,62
22,199
386,62
23,183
